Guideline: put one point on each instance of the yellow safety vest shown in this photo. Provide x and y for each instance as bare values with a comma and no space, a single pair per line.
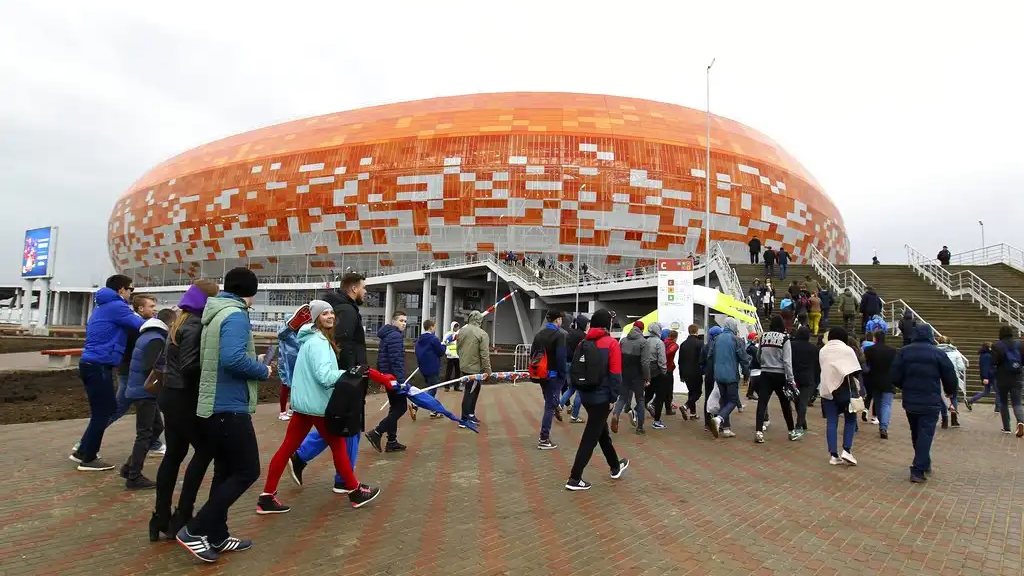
451,350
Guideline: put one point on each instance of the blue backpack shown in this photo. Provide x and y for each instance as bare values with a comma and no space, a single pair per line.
1013,359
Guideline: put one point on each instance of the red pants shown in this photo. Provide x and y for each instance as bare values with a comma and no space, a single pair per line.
285,392
298,427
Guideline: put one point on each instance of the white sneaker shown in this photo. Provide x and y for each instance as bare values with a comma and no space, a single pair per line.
874,421
759,437
848,458
159,451
767,423
727,433
835,460
716,426
283,416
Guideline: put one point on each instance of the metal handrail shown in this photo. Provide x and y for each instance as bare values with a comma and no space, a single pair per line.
892,310
892,313
756,315
839,280
967,283
988,255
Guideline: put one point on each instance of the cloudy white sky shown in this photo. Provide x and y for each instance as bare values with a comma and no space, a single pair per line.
909,114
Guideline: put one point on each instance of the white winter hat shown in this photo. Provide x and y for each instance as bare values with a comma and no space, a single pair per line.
318,307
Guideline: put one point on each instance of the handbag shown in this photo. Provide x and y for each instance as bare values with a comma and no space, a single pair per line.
155,381
856,400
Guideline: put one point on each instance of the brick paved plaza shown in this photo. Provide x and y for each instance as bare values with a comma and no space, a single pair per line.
488,504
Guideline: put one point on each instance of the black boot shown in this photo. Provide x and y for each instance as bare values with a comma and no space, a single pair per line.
178,521
158,524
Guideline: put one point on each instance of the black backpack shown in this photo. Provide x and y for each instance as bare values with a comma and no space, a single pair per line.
345,412
588,367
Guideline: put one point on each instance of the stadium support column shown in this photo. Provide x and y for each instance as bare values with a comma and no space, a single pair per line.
449,304
26,304
389,302
439,308
56,309
44,289
425,300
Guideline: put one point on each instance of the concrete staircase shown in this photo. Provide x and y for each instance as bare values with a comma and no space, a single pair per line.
1001,276
964,322
747,273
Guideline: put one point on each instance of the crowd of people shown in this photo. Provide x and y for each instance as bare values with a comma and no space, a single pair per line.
192,373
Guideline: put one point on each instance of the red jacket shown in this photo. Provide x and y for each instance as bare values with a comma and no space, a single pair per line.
671,348
609,347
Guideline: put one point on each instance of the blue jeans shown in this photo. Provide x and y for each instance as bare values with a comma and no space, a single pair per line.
430,381
832,409
314,444
884,403
730,392
549,389
782,270
123,405
990,388
99,388
922,432
576,403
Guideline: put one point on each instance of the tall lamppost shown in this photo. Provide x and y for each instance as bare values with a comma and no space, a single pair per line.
982,224
494,322
579,203
707,196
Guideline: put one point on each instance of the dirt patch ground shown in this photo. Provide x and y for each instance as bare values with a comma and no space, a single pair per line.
10,344
45,396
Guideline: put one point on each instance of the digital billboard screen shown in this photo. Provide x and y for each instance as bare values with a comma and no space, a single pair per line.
36,258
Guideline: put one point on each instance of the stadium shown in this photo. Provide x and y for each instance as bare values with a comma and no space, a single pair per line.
427,192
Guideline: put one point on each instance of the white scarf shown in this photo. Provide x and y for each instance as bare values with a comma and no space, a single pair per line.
837,361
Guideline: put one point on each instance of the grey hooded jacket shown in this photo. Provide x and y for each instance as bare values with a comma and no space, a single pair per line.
776,355
654,361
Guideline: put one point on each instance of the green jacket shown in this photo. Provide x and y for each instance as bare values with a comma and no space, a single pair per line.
227,359
474,346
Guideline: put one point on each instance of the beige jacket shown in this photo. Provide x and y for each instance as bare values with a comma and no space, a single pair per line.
473,346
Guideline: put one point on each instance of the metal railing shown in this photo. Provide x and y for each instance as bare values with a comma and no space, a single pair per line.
967,283
988,255
840,280
521,357
756,314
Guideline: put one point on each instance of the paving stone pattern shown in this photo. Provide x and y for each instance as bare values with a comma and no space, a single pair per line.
490,504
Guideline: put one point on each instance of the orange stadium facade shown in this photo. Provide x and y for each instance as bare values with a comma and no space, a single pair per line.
619,181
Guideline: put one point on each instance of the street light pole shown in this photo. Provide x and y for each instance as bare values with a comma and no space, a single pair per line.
494,322
707,196
982,224
578,209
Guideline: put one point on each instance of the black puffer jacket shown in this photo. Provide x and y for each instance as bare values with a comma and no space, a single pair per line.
349,335
182,366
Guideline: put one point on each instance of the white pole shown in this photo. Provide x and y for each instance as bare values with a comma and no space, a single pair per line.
982,224
707,195
494,322
579,206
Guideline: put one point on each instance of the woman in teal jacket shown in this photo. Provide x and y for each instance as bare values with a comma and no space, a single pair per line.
316,371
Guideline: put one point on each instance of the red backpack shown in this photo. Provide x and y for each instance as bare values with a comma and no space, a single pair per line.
537,368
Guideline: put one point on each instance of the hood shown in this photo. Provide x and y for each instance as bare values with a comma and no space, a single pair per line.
635,334
105,296
872,292
153,323
387,329
908,315
220,302
848,292
334,298
947,348
307,332
595,333
714,332
475,318
453,326
654,330
194,300
426,336
924,333
731,325
580,322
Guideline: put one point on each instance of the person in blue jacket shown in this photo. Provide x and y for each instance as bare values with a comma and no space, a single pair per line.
391,360
105,337
924,374
148,355
729,358
429,352
988,376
